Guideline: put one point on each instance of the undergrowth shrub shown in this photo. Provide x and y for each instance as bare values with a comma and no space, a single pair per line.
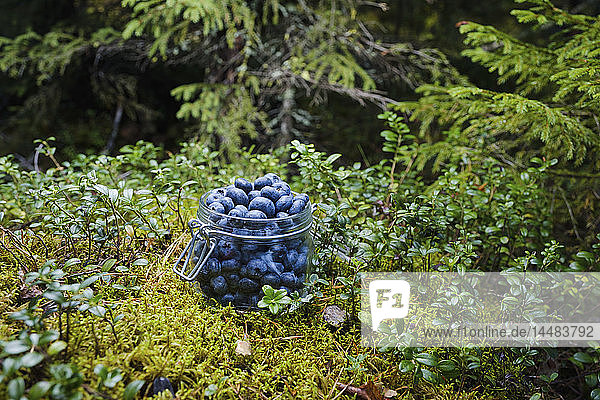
87,247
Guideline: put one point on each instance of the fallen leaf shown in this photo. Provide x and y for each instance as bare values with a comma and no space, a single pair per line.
389,393
243,348
367,391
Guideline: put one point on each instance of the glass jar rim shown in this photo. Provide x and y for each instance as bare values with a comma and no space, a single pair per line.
300,218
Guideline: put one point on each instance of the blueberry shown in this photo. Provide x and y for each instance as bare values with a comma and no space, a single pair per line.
273,177
226,250
248,249
263,204
284,203
293,243
256,214
238,196
217,207
213,267
282,214
240,299
278,252
227,204
230,265
271,280
256,268
212,197
303,197
220,191
297,206
270,193
300,264
248,285
206,289
261,182
243,184
300,280
223,223
227,299
288,279
242,208
219,284
276,267
162,384
291,258
253,194
283,188
233,281
236,213
254,300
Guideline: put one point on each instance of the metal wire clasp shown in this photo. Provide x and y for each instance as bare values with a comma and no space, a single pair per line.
200,232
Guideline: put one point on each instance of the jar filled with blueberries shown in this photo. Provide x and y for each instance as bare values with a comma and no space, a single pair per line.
248,235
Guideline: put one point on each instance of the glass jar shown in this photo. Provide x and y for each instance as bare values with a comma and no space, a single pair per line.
231,258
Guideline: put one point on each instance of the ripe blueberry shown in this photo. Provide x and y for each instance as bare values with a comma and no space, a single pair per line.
288,279
303,197
291,258
270,193
253,194
226,250
271,280
242,208
238,196
212,197
261,182
282,214
283,188
219,284
230,265
273,177
240,299
278,252
227,299
243,184
256,214
227,203
220,191
213,267
300,264
256,268
248,285
233,280
236,213
217,207
297,206
263,204
283,203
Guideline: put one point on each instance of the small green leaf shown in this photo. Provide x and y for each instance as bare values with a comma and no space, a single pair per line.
38,390
108,264
132,389
140,262
595,394
583,357
16,388
56,347
426,359
31,359
535,396
15,347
